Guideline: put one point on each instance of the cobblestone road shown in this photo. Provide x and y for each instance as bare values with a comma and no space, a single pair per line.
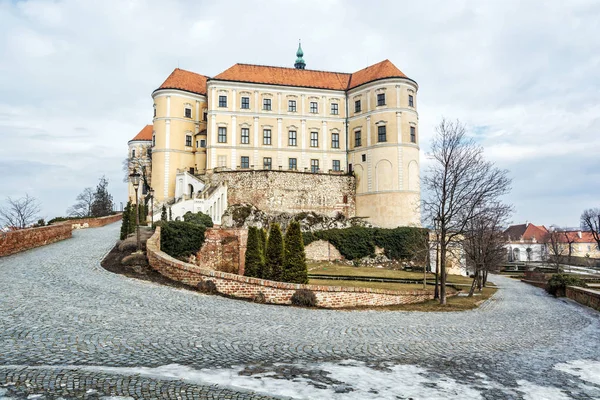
70,328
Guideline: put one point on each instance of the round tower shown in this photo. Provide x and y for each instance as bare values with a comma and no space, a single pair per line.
383,139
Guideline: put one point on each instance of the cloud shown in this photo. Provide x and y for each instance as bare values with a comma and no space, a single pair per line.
76,79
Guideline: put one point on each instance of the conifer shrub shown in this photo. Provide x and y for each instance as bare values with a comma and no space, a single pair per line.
181,239
254,259
163,213
198,218
557,285
274,254
304,298
294,258
125,221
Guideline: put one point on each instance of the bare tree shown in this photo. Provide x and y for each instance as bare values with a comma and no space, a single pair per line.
461,184
83,207
20,213
484,242
556,247
590,221
568,238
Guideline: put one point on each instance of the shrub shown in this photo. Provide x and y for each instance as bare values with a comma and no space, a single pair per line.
125,221
208,287
163,213
199,218
304,298
294,259
274,254
181,239
254,259
400,243
259,298
557,285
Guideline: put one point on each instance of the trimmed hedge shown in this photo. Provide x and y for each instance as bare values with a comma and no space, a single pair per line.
557,285
199,218
181,239
358,242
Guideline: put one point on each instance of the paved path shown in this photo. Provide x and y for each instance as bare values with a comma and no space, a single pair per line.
67,326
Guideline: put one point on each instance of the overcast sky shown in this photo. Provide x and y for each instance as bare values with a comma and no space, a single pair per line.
76,79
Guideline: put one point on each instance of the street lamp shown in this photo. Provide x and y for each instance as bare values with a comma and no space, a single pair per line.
151,207
436,223
135,181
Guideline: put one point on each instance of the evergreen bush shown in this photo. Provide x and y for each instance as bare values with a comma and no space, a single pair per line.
304,298
557,285
254,259
163,213
181,239
125,221
274,255
199,218
294,259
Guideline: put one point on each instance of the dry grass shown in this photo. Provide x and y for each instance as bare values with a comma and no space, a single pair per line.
453,303
337,269
372,285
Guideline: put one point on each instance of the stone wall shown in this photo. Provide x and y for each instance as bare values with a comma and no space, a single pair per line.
290,191
587,297
322,250
25,239
93,222
274,292
224,250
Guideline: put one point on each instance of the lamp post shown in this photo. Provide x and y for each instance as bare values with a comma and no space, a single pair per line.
135,181
151,207
436,222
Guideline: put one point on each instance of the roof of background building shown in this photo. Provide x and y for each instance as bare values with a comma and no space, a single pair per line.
573,237
144,134
185,80
527,232
196,83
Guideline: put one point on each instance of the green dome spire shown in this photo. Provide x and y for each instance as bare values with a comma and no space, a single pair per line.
300,64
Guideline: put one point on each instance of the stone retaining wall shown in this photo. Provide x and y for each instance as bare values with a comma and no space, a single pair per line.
93,222
587,297
322,250
25,239
224,250
274,292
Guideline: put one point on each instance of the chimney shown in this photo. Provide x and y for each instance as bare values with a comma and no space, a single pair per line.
579,234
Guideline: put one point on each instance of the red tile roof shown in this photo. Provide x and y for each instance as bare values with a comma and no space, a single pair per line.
185,80
527,232
573,237
145,133
384,69
285,76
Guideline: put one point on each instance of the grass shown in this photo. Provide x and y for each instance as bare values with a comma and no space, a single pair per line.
373,285
337,269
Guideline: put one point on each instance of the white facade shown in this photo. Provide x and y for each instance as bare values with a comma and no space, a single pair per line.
526,252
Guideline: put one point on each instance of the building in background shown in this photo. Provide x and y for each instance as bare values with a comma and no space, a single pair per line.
526,242
359,128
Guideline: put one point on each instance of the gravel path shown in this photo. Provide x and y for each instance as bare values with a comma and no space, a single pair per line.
69,328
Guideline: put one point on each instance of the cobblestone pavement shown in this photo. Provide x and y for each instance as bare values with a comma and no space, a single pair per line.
69,328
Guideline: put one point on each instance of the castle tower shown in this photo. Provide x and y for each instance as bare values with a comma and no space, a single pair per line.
383,145
179,141
299,64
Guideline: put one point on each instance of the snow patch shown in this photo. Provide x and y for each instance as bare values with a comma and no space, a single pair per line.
588,370
535,392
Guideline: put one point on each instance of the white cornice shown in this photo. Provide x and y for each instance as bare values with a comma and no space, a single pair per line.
179,93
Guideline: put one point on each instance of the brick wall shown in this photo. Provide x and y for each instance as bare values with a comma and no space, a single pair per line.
274,292
25,239
224,250
94,222
321,250
290,191
587,297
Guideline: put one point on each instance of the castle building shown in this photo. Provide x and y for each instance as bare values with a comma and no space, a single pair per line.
250,118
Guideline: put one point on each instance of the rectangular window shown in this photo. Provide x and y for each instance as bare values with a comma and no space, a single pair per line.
314,165
292,138
413,135
335,140
221,161
314,139
381,134
245,103
245,136
350,168
155,110
357,106
266,136
222,101
188,112
411,100
267,163
292,105
363,157
222,135
314,107
188,140
153,140
357,139
205,115
293,164
267,104
203,143
133,153
381,99
336,165
245,162
334,109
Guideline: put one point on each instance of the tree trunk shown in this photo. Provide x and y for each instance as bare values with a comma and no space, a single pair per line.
443,271
485,276
475,277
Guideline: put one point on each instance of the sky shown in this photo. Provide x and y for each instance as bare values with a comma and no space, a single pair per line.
76,79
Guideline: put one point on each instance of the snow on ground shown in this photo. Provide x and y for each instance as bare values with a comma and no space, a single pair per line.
536,392
588,370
